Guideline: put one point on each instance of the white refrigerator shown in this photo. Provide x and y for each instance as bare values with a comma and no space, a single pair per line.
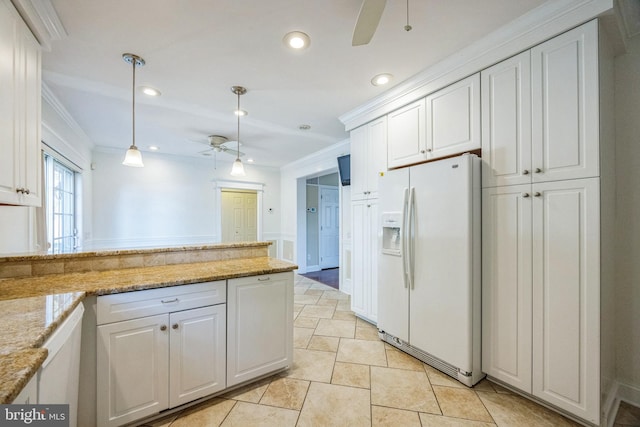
429,295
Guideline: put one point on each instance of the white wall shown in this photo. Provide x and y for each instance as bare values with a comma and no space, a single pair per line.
171,201
627,92
293,188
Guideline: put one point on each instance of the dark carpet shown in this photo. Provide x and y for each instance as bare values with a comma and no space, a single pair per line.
330,277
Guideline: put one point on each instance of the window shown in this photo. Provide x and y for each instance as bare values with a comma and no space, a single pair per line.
60,206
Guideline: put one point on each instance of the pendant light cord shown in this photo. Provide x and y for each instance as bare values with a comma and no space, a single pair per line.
238,114
133,107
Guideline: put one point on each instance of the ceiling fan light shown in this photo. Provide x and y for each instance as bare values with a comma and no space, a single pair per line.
133,157
297,40
238,168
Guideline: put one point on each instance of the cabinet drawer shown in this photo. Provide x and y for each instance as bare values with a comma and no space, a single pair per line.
132,305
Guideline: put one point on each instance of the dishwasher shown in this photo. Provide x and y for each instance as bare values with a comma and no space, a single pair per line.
59,374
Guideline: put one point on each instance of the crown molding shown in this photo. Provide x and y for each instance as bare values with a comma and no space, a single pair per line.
534,27
61,111
42,19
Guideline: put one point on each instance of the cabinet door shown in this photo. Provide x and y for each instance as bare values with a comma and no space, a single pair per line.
30,158
197,353
506,122
20,163
8,142
260,326
359,255
565,118
406,142
132,369
371,263
359,163
506,284
376,154
453,119
29,394
566,296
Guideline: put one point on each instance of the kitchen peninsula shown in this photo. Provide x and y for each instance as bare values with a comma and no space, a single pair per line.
39,292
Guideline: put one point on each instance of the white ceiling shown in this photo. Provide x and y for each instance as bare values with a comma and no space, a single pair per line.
197,49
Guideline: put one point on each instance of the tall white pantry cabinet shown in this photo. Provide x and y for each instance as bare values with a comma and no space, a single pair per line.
547,147
368,160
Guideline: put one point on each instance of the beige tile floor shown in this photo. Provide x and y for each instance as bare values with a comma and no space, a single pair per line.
343,375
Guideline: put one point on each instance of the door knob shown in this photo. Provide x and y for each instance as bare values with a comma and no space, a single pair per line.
175,326
525,172
538,170
525,195
163,327
537,194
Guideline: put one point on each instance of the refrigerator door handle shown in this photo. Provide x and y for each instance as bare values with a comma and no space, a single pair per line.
405,236
410,239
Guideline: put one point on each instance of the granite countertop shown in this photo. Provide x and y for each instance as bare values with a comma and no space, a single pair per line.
31,308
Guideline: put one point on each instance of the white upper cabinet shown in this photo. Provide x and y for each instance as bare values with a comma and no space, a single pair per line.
506,122
368,158
20,164
540,119
406,142
445,123
453,119
565,115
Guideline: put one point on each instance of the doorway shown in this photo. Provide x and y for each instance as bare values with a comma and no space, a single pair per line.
221,187
322,222
239,216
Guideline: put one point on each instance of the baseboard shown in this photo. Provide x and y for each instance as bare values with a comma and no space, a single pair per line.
610,406
617,393
629,393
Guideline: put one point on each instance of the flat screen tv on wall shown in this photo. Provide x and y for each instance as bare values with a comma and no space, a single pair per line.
344,168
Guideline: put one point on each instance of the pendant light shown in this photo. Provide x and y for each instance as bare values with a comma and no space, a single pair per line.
238,168
133,156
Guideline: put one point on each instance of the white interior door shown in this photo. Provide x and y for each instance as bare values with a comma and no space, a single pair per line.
239,216
329,227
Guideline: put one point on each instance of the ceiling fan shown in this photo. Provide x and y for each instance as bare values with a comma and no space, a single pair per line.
220,144
368,20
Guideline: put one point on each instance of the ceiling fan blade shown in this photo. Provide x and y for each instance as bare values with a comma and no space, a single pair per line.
367,23
231,151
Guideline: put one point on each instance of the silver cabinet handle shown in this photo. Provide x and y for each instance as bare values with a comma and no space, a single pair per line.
175,326
537,194
264,279
422,151
525,195
538,170
26,190
428,150
525,172
163,327
169,301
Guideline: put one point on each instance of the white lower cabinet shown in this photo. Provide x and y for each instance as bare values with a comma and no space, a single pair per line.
541,291
260,326
364,232
148,364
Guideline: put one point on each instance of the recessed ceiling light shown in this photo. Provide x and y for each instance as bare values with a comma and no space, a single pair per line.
240,112
153,148
304,127
296,40
150,91
381,79
250,160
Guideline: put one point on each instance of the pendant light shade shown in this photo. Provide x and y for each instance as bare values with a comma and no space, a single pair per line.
238,168
133,156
